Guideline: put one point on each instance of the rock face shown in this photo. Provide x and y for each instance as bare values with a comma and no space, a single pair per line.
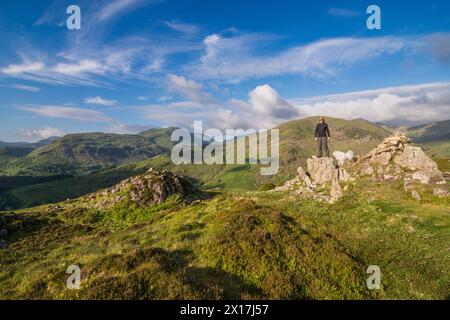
413,158
393,159
321,170
148,189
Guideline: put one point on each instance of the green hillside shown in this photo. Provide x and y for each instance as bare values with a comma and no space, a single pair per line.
435,137
79,154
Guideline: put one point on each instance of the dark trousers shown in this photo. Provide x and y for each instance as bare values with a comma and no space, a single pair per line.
322,143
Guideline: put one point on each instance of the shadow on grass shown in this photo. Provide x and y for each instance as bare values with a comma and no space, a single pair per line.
156,273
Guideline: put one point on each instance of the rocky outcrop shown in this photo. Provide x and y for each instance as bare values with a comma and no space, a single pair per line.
394,159
148,189
321,170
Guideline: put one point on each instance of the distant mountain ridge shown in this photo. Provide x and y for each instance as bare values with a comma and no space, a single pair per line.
435,137
83,153
40,143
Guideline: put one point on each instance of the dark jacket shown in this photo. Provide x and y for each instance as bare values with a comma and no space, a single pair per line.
322,130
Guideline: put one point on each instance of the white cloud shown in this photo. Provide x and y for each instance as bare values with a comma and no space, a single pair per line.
67,113
182,27
83,66
115,7
77,73
265,108
100,101
23,87
189,89
401,105
234,59
155,66
18,69
142,98
34,135
266,101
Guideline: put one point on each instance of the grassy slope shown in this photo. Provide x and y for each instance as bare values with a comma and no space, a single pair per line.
235,245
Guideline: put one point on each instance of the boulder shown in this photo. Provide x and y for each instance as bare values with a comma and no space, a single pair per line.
414,159
335,191
441,193
426,176
415,195
302,176
381,158
321,170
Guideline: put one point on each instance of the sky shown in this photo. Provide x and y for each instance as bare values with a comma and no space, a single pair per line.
139,64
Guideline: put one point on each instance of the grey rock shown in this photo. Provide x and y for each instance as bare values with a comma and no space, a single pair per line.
426,176
321,170
441,193
416,195
413,158
336,190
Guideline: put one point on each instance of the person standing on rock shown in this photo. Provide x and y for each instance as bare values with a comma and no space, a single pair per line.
322,136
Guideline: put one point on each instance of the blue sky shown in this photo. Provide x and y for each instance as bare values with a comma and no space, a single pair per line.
137,64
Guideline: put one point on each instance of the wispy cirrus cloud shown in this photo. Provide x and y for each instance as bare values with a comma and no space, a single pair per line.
22,87
84,72
71,113
23,68
117,7
343,12
100,101
234,59
185,28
